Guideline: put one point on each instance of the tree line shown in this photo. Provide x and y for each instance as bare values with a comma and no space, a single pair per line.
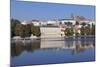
86,29
18,29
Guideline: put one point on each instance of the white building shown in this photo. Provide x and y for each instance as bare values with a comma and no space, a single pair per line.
43,23
51,32
77,28
36,22
24,22
53,22
63,21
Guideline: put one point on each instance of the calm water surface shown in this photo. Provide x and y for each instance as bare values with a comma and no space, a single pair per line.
55,50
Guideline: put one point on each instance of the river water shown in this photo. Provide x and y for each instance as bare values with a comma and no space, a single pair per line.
54,50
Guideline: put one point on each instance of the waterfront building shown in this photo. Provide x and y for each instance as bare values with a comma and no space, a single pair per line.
65,21
36,22
55,28
51,31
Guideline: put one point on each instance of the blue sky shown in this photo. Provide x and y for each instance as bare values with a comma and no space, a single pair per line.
48,11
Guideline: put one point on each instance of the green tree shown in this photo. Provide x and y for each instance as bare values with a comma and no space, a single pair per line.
83,24
69,23
14,22
27,30
69,31
20,30
77,23
82,30
77,34
93,29
36,31
88,30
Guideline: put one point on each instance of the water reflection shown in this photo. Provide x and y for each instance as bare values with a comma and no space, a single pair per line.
80,44
18,47
77,45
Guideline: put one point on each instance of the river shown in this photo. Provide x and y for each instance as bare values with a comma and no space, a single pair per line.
54,50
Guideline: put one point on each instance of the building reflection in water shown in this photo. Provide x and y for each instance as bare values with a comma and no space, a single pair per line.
78,45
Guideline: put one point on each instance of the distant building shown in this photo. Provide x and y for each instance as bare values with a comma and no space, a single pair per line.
24,22
36,22
77,29
55,28
65,21
43,23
